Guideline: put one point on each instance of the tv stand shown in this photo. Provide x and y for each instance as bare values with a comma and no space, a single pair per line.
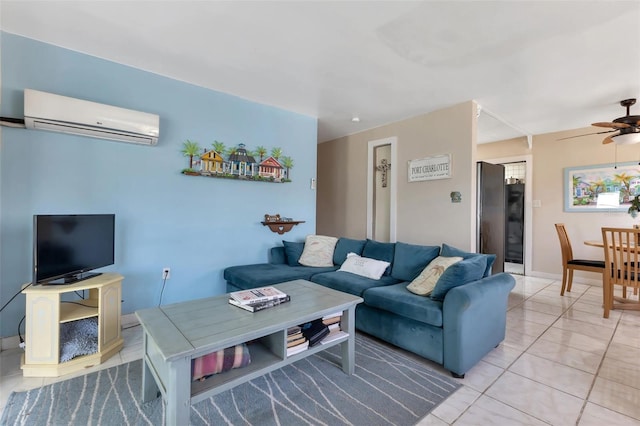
45,312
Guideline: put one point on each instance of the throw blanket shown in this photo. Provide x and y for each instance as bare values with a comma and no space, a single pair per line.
222,360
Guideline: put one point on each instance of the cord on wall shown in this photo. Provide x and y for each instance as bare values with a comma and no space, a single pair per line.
164,282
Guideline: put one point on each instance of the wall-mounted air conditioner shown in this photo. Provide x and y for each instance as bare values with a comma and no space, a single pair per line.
46,111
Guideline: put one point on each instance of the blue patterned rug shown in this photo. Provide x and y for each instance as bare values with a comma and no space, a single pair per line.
388,388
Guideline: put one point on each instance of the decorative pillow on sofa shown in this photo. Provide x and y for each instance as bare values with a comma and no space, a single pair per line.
363,266
380,251
458,274
318,251
217,362
449,251
424,283
410,259
345,246
293,251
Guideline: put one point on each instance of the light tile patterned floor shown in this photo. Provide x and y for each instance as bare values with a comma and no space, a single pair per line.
561,364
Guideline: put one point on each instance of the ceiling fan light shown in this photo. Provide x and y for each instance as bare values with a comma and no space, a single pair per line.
626,139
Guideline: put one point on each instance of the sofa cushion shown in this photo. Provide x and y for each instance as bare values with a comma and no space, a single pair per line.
425,282
458,274
263,274
293,251
410,259
350,283
450,251
380,251
397,299
363,266
345,246
318,251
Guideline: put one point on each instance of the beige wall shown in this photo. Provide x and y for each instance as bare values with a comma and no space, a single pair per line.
550,156
421,206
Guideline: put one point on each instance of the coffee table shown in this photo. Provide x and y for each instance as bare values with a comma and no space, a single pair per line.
175,334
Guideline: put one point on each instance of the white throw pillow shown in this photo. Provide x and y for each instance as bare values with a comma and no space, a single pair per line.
318,251
370,268
424,283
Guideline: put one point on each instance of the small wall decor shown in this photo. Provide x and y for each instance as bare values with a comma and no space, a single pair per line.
237,162
279,224
384,167
430,168
456,197
601,187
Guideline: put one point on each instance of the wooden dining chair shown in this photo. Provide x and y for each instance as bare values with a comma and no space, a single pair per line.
622,267
569,264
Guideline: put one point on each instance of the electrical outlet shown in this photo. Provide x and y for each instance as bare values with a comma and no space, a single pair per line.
166,273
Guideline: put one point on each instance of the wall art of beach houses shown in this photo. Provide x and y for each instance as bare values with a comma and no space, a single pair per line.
237,162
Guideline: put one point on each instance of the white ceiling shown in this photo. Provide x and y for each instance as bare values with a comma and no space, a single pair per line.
537,66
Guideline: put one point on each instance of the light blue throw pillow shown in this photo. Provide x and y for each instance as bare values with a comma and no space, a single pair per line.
450,251
460,273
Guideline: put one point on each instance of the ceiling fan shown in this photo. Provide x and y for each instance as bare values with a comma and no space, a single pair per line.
628,127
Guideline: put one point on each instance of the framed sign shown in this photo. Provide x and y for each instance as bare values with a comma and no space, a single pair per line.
601,187
430,168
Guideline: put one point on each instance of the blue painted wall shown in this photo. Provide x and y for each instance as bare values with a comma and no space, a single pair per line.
197,226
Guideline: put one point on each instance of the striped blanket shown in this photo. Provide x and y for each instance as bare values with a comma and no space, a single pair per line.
222,360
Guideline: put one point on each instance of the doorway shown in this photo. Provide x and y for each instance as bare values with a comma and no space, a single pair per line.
518,161
381,190
515,181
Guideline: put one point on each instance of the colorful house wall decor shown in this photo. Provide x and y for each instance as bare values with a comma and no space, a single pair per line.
240,163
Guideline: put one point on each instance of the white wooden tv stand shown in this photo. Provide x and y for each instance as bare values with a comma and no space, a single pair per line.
45,312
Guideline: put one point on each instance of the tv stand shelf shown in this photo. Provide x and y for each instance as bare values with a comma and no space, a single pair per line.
46,311
78,310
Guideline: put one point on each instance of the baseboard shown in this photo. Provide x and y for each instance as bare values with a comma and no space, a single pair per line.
9,343
558,277
12,342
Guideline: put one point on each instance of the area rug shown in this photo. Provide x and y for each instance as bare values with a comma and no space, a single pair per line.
388,388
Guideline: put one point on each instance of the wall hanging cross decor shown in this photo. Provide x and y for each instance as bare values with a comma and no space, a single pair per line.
384,167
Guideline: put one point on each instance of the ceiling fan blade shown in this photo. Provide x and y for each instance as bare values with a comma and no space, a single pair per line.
608,140
613,125
587,134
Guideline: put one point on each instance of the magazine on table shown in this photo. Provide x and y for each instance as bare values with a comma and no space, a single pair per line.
256,295
259,306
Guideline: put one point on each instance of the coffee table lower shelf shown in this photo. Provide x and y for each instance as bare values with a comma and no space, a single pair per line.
263,361
176,334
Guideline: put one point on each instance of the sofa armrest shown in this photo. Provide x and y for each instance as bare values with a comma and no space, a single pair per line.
277,256
474,320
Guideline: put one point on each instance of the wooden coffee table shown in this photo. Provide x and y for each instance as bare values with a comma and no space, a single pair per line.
175,334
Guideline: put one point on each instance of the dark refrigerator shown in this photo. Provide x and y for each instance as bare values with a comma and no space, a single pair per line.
514,233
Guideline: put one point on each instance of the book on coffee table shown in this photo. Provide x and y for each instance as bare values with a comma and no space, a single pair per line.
259,306
256,295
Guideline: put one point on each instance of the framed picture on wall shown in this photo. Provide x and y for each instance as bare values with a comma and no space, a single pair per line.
601,187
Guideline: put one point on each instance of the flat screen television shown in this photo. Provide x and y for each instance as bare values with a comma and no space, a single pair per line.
66,247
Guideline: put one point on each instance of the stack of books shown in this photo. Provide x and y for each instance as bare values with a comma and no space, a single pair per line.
257,299
332,321
296,342
315,331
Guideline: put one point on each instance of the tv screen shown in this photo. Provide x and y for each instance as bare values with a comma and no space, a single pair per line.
67,246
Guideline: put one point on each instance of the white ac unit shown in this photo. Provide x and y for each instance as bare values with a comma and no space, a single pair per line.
47,111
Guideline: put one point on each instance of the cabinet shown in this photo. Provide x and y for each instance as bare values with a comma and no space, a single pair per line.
46,312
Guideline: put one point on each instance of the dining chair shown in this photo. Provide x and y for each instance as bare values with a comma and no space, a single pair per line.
569,264
622,267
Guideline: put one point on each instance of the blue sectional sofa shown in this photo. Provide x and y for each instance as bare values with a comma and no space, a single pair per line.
456,331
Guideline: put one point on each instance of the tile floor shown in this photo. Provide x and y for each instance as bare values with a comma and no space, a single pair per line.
560,364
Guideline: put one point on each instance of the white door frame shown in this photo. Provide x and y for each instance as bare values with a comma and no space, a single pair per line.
528,204
393,141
